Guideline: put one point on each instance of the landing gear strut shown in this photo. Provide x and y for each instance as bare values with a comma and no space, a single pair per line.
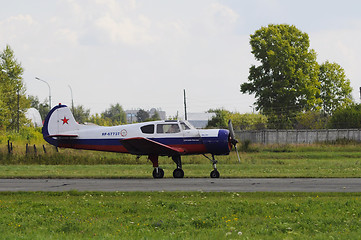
157,172
214,173
178,172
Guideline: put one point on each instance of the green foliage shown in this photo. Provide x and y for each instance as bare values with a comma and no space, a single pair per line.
220,120
99,120
43,107
335,87
13,102
81,114
26,135
154,117
248,121
286,82
112,116
142,115
115,114
311,120
348,117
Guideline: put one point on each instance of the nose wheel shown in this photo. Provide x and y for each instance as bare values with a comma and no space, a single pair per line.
214,173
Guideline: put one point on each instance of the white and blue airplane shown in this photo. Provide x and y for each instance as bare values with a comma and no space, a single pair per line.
153,139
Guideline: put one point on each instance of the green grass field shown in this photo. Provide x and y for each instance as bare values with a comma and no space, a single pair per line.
181,215
262,161
95,215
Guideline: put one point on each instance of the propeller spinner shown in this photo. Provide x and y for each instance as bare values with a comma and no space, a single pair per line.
233,140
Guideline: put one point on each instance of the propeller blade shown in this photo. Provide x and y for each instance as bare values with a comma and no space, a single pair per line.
239,159
233,139
230,127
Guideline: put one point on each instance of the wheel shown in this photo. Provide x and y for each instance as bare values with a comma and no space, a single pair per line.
178,173
159,173
214,174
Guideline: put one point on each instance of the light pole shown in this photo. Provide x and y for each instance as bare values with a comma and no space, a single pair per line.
72,102
48,87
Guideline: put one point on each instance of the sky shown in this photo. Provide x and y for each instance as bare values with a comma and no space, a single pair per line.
142,53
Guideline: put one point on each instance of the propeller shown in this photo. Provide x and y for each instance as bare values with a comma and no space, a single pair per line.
233,140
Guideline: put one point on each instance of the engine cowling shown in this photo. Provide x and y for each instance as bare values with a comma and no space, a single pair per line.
216,141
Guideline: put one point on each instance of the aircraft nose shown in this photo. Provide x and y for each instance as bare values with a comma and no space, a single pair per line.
219,143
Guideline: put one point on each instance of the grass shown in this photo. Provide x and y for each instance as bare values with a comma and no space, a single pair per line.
75,215
263,161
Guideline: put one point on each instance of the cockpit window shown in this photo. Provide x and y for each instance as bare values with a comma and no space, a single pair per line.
148,129
168,128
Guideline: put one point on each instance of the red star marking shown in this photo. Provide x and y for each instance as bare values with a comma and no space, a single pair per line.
65,120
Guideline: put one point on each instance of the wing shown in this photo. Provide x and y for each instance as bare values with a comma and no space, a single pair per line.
144,146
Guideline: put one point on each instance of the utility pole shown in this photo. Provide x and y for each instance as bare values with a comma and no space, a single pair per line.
185,105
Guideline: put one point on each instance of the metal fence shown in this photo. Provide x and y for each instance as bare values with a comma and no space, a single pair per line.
298,136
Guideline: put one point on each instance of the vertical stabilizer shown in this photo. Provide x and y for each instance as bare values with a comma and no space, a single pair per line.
59,122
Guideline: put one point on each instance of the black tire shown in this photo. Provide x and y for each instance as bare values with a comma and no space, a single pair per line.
215,174
158,174
178,173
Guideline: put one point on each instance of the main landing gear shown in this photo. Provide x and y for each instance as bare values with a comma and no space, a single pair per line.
178,172
157,172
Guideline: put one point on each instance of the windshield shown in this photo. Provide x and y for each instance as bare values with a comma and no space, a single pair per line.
186,125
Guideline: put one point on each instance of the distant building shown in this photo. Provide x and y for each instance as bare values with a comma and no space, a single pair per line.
200,120
132,114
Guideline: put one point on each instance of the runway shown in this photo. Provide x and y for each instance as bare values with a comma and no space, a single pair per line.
186,185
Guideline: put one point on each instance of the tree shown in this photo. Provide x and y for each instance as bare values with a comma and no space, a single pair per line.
335,88
286,81
43,107
115,114
220,120
248,121
12,95
311,120
154,117
142,115
81,114
4,112
348,117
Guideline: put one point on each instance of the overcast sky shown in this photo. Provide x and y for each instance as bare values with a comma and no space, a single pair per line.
143,53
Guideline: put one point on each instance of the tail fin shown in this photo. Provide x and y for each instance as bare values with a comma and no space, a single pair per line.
59,122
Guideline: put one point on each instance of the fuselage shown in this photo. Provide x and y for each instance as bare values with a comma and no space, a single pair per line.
176,134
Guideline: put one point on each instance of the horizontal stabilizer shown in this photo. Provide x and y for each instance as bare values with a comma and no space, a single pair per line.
62,135
144,146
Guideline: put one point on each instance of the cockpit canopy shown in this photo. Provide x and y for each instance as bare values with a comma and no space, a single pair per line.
166,127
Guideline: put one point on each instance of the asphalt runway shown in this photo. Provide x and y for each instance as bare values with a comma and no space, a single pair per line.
186,185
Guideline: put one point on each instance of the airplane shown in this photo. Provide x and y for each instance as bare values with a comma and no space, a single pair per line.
172,138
